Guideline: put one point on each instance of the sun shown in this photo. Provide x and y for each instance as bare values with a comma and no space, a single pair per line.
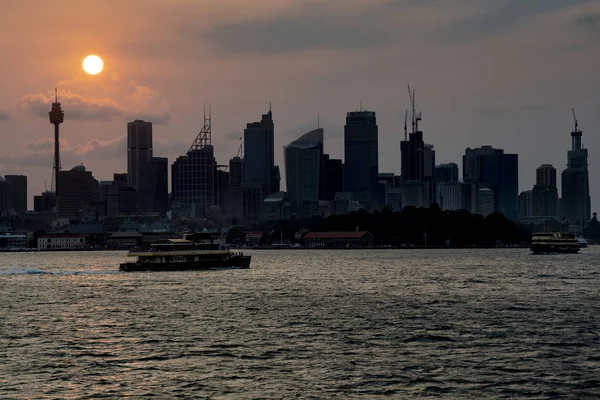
93,65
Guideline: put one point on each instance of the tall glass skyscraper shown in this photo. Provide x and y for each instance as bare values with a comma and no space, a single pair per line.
361,157
303,164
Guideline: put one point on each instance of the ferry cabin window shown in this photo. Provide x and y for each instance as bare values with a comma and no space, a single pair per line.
180,259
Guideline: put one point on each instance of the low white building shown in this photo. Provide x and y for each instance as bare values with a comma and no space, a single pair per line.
65,241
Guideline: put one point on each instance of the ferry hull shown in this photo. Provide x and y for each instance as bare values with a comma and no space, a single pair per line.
235,262
546,249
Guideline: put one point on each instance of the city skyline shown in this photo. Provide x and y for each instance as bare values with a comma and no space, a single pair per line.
517,98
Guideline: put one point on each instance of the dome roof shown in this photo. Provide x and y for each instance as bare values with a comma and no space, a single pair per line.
79,168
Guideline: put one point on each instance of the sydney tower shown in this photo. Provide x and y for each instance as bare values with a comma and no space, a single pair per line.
57,117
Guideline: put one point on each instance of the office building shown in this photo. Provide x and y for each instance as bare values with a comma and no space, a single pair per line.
492,169
303,167
45,202
121,200
236,172
449,195
139,151
193,181
79,193
500,173
361,158
545,193
153,194
259,154
485,201
472,160
446,173
332,178
525,205
18,192
575,203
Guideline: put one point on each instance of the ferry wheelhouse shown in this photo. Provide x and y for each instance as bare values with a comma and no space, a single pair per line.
195,251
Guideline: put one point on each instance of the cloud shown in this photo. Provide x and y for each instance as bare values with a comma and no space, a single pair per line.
82,108
314,25
590,22
39,152
378,24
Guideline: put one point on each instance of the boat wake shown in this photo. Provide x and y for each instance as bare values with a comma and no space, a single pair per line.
35,271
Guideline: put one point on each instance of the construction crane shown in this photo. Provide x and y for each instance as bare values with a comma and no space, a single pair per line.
412,95
405,124
239,153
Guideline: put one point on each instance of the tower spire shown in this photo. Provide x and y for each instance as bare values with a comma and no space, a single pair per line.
56,116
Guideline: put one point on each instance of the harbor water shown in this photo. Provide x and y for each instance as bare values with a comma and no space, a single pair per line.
303,324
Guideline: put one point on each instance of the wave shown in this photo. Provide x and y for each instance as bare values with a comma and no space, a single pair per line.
35,271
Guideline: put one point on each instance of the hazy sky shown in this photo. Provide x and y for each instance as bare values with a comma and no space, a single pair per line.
504,73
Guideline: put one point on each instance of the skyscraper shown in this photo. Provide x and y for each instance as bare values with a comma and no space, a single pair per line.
487,167
332,178
303,165
259,154
471,162
139,151
544,196
18,192
361,158
500,173
236,172
193,175
575,204
154,193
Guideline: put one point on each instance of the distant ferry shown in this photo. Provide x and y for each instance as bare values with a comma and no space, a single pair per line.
195,251
554,242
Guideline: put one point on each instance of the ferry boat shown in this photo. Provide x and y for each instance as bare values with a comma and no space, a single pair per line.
554,242
195,251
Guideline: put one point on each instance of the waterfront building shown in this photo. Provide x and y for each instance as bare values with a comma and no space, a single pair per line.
14,240
339,239
361,157
63,241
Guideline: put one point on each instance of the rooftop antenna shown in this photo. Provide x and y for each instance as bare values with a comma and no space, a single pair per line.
575,119
360,104
269,106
